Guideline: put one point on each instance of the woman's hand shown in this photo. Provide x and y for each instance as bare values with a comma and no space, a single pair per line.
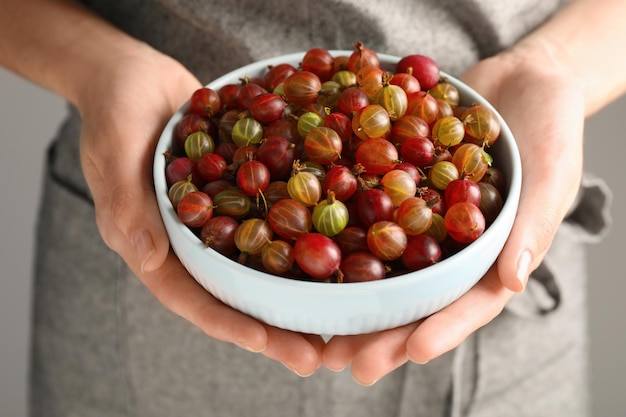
544,107
124,109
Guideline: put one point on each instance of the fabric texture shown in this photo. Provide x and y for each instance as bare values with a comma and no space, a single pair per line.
104,346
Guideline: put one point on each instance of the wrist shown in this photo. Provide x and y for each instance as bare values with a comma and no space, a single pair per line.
582,43
545,62
101,71
64,47
540,55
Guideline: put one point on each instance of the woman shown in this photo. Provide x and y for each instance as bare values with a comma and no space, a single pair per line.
103,343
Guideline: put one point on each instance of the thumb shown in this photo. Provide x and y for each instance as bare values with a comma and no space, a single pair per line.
126,212
117,154
551,153
548,129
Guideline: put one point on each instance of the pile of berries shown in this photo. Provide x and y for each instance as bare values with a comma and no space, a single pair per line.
337,169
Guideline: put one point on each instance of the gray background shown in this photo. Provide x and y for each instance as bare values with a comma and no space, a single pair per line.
28,118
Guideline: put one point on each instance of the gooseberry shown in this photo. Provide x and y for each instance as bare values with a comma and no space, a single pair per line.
317,255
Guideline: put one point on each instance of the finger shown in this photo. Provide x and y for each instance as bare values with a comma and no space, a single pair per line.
317,342
181,294
340,350
448,328
302,354
384,352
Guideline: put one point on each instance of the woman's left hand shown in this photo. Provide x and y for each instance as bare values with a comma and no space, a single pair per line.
544,107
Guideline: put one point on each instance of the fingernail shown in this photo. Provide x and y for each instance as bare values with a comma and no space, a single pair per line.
335,369
295,371
249,348
409,358
418,362
523,268
144,247
366,384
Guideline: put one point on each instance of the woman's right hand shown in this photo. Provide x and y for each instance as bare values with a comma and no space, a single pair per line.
124,109
126,91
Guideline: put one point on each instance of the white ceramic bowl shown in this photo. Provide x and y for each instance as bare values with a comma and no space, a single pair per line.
331,308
